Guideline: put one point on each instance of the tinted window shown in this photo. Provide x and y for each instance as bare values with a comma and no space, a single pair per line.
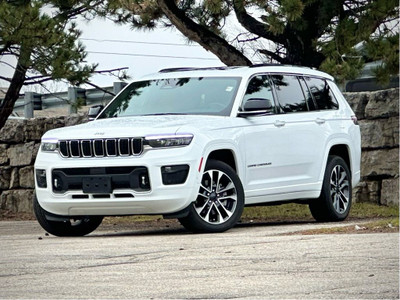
309,98
289,92
259,88
322,94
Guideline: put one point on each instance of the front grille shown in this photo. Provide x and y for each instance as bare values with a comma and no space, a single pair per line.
101,147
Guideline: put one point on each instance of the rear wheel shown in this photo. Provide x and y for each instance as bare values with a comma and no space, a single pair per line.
78,226
335,200
220,200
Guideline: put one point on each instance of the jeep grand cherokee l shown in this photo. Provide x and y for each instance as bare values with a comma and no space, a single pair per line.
199,145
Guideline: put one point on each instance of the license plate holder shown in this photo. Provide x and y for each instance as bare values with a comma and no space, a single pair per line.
97,185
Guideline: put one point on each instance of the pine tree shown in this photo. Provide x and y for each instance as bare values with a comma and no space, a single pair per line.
44,44
315,33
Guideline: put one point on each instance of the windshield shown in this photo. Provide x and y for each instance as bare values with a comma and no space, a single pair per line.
198,96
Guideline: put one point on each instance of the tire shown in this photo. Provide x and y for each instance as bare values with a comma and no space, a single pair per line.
69,227
335,200
220,200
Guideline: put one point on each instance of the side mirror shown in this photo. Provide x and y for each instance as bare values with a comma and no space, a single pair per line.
256,106
94,111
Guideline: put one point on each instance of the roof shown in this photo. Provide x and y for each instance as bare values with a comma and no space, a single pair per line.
235,71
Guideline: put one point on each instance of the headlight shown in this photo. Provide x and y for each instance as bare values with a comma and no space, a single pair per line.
49,145
161,141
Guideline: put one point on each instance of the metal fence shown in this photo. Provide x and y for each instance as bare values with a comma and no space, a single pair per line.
74,97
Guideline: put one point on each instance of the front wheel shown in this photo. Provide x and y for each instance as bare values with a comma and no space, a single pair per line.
335,200
78,226
220,200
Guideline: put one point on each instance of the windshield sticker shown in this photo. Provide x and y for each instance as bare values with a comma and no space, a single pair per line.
229,88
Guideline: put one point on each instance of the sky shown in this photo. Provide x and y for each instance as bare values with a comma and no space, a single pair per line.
114,46
144,52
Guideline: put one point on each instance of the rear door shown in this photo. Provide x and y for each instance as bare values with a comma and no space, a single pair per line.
282,148
302,132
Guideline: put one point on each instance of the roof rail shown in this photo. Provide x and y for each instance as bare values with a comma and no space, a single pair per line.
266,65
279,65
184,69
176,69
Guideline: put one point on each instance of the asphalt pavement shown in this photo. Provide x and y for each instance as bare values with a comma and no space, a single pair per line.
256,261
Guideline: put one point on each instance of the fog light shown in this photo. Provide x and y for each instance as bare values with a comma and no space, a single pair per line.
174,174
57,183
144,181
41,178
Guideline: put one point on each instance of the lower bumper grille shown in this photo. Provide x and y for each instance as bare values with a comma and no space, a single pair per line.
100,180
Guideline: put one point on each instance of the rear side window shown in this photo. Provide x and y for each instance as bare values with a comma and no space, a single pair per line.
309,98
321,93
289,93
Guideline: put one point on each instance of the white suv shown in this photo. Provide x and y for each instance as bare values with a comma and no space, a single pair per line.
199,145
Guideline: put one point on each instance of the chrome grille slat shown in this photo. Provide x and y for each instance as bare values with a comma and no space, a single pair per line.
123,147
98,146
74,148
137,146
87,148
111,147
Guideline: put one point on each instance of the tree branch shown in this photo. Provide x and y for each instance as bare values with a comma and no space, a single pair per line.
5,47
253,25
111,70
12,94
273,55
32,82
99,88
200,34
6,78
73,12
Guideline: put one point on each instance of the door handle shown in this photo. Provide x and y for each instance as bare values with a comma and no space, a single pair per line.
319,121
279,123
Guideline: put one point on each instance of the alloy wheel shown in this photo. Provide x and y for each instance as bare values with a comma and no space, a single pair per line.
340,189
217,197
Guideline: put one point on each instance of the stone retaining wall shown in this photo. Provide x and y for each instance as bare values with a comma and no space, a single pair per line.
19,144
378,114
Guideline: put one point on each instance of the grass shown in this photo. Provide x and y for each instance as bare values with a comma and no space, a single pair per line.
286,213
375,218
381,225
372,217
299,212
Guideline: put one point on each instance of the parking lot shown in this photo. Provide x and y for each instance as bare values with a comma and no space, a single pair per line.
248,262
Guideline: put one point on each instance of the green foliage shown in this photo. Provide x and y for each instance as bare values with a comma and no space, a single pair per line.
292,9
385,50
51,40
79,103
316,33
39,34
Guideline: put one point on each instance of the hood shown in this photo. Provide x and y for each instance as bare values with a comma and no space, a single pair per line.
140,126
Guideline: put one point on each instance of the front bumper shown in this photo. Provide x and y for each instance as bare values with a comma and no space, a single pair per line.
160,198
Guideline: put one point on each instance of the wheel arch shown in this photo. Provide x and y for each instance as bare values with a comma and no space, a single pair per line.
225,155
343,151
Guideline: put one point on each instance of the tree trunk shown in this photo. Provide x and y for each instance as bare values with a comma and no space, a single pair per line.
18,79
228,54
